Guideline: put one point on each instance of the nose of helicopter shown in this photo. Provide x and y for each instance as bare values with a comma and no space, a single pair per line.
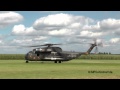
26,56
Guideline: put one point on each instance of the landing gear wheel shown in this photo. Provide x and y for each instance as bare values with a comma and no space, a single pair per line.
26,61
55,61
59,61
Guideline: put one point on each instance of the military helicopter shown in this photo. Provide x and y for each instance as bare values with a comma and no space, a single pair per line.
56,54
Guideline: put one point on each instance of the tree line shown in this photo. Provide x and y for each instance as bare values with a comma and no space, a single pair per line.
108,53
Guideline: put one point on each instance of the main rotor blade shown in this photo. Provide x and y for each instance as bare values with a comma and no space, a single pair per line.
42,45
32,46
95,41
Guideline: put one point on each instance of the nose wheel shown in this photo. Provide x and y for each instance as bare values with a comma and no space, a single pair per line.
26,61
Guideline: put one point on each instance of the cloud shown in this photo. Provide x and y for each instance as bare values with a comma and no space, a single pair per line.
115,40
39,38
90,34
19,41
54,25
1,36
107,26
67,24
29,31
1,42
61,32
95,27
110,24
7,18
52,21
22,30
60,20
74,40
116,32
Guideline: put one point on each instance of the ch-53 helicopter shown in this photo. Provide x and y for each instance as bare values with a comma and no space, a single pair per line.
56,54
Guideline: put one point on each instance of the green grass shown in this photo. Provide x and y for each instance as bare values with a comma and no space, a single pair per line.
92,57
101,57
12,56
74,69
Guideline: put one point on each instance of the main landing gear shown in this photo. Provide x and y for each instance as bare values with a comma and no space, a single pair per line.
58,61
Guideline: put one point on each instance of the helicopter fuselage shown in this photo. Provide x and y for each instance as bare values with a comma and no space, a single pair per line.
48,54
54,54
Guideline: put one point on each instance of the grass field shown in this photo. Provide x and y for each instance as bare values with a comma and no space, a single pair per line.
74,69
92,57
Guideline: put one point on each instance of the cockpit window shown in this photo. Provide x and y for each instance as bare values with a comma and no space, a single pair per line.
57,49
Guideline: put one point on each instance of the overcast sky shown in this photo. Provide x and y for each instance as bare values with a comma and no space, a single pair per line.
70,28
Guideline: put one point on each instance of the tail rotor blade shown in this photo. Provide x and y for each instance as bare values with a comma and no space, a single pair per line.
95,41
96,49
100,44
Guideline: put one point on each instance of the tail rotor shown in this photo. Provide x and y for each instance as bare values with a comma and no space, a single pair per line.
97,43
